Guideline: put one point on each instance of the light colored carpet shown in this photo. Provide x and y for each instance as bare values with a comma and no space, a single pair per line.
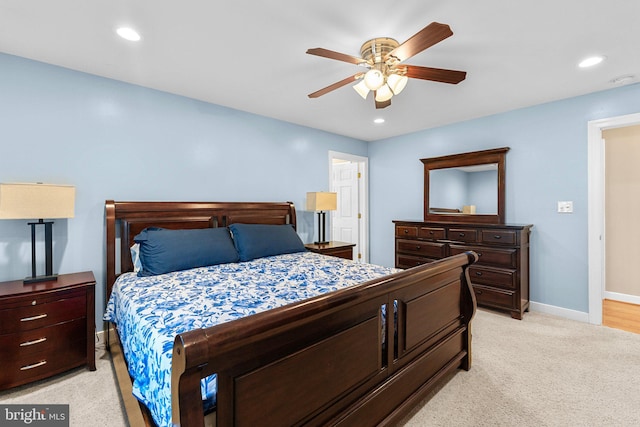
541,371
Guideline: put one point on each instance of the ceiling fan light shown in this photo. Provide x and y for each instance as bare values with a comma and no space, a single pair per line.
362,89
397,82
374,79
383,94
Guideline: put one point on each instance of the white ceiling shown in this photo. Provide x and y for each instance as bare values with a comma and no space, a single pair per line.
250,55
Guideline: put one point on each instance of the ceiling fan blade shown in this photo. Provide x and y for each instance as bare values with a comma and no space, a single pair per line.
436,74
325,53
335,86
423,39
383,104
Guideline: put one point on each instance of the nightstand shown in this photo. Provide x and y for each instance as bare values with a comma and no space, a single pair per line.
337,249
46,327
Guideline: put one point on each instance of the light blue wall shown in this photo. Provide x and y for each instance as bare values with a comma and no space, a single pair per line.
547,163
118,141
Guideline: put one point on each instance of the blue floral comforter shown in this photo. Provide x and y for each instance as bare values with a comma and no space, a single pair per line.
150,311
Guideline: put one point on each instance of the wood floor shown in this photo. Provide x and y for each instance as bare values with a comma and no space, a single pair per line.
621,315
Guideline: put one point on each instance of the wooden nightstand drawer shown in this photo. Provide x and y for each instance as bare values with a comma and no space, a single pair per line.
40,365
38,316
43,340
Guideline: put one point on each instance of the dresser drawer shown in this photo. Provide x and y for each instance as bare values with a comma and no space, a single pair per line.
503,237
41,315
499,277
434,233
406,231
469,235
494,297
39,365
490,256
408,261
44,340
421,248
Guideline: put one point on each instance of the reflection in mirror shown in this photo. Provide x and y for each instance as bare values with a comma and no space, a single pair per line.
468,190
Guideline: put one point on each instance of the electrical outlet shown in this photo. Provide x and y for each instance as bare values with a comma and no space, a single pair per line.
565,207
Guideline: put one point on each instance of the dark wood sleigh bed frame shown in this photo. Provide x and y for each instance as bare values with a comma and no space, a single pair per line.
322,361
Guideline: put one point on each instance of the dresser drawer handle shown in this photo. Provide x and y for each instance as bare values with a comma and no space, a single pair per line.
406,231
431,232
28,343
478,273
497,237
461,234
479,254
39,316
418,247
35,365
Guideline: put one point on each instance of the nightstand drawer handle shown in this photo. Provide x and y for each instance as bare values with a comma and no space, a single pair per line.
497,237
28,343
39,316
35,365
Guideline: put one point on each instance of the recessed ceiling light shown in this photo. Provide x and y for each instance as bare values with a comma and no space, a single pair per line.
128,34
378,121
591,61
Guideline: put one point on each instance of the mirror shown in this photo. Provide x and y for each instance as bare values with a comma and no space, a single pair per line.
467,187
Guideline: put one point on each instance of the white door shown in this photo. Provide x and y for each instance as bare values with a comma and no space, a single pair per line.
344,220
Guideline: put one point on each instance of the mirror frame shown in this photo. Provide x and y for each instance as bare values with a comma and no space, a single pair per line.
496,155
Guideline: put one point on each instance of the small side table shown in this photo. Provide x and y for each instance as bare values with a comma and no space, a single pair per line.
46,327
337,249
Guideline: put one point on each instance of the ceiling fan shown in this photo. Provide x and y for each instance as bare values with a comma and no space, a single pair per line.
387,74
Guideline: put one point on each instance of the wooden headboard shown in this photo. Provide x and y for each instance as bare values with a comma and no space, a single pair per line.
133,217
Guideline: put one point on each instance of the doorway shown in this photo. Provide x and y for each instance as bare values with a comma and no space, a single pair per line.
597,214
348,177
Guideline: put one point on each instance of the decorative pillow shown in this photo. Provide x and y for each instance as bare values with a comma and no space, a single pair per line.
135,257
163,251
261,240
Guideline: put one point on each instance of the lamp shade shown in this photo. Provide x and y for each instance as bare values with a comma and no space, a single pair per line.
36,201
322,201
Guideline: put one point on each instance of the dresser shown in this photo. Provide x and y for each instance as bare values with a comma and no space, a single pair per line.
46,327
500,278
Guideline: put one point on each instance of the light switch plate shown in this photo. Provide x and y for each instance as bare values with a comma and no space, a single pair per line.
565,207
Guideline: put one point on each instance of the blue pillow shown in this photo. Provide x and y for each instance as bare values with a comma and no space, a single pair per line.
163,251
261,240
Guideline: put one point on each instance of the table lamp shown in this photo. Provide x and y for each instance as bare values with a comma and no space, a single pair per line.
38,201
321,202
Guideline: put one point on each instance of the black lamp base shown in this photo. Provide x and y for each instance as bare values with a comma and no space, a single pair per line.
28,280
322,240
48,253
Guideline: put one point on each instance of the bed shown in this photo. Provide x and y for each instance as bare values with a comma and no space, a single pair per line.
351,354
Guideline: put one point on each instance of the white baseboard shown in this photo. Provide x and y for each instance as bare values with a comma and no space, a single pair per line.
631,299
580,316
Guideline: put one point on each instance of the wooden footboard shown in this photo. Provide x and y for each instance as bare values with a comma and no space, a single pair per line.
334,359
